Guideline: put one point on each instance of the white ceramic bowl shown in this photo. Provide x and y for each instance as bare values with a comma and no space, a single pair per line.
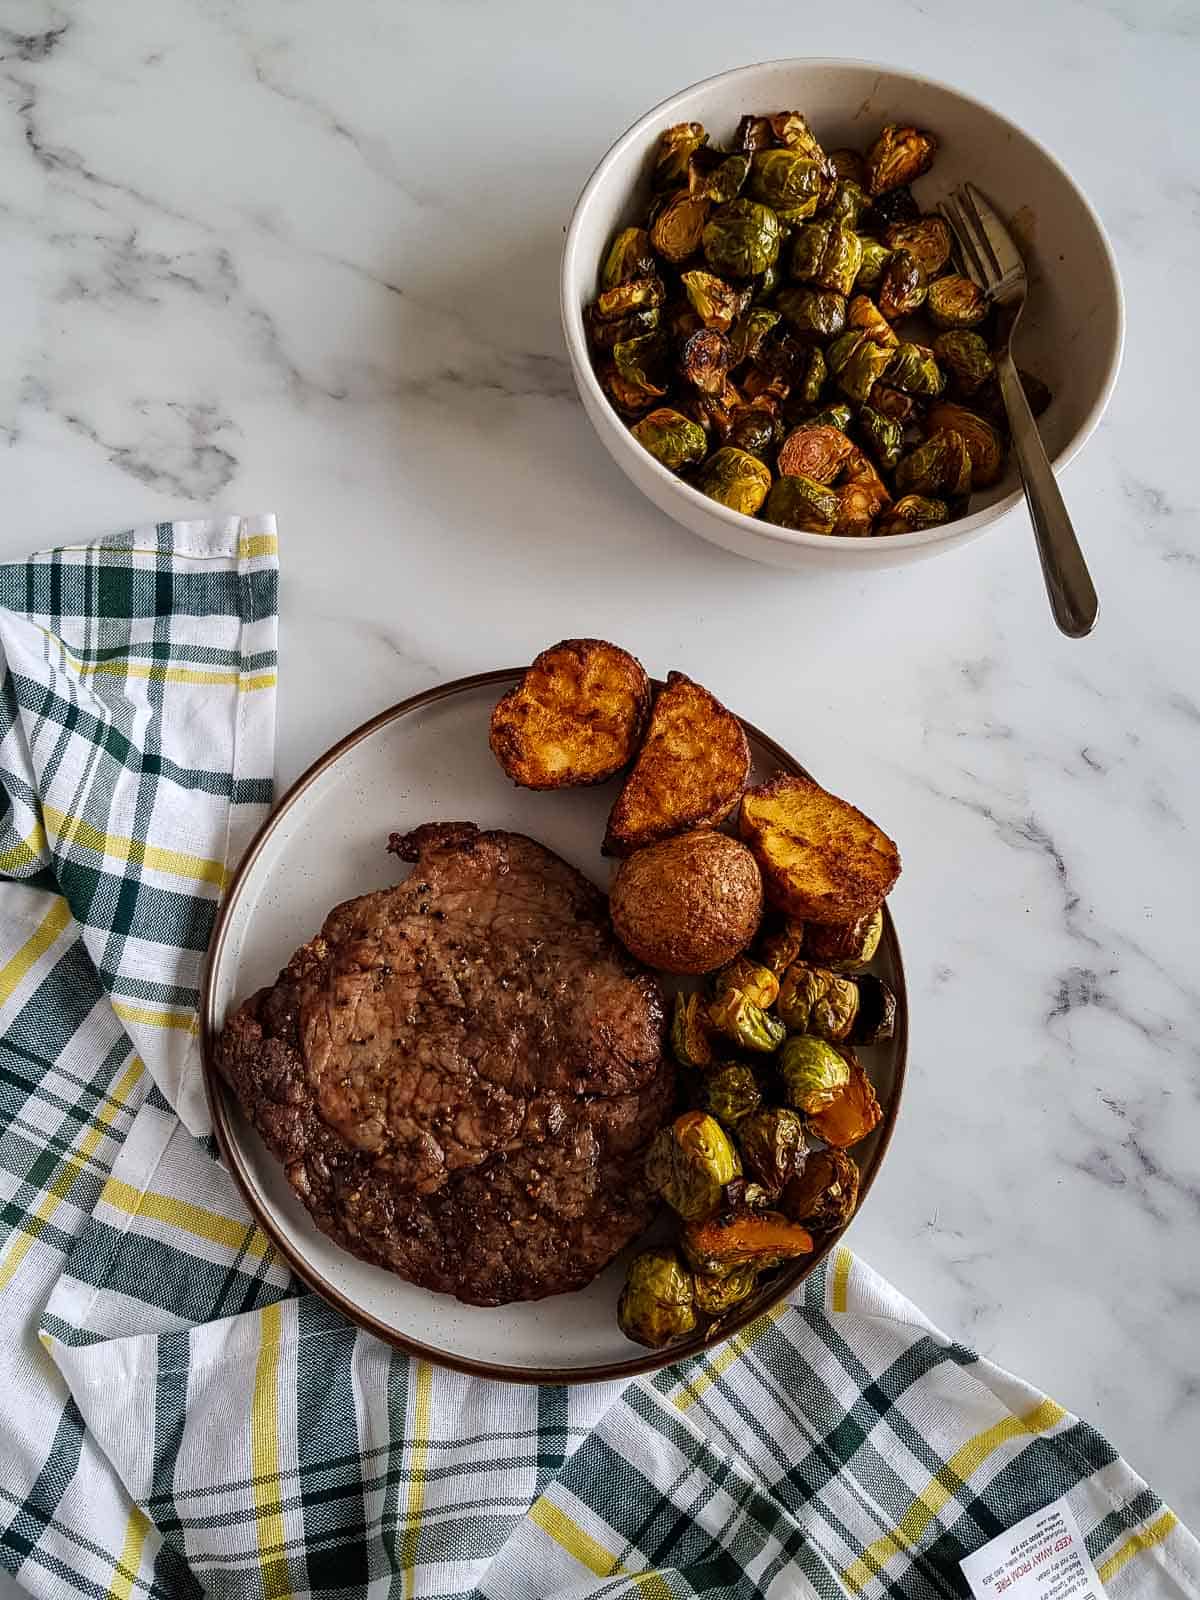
1071,332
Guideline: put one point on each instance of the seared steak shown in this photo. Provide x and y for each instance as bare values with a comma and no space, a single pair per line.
460,1074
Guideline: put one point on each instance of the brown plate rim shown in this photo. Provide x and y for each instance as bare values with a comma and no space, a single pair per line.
218,1095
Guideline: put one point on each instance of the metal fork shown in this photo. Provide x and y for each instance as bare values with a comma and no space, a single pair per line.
994,263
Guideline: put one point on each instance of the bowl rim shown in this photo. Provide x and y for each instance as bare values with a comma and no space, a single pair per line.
585,378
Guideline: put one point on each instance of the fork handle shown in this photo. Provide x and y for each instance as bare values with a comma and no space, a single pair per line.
1068,582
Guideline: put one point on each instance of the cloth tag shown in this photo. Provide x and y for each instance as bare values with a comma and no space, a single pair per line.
1042,1558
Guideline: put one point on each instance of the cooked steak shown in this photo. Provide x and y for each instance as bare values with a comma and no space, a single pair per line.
460,1074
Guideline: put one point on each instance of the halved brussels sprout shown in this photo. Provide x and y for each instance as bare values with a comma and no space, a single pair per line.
862,313
780,946
902,288
827,255
754,428
742,239
746,1024
791,130
836,416
643,361
753,133
955,302
605,332
714,175
914,368
704,361
657,1302
671,438
691,1040
848,205
984,444
911,513
785,180
736,479
678,228
876,1019
966,357
773,1146
715,302
759,984
898,157
815,313
813,1000
716,1296
897,205
940,466
852,1115
885,437
631,399
629,256
844,946
848,164
675,147
825,1193
813,1073
875,258
814,370
856,361
631,294
928,238
893,404
803,504
748,332
690,1163
729,1092
816,453
745,1238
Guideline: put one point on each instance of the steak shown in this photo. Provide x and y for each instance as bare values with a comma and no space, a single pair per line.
460,1074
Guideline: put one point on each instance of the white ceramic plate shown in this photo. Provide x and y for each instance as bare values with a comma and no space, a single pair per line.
427,759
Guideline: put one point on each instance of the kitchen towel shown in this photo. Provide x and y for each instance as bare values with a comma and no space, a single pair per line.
178,1418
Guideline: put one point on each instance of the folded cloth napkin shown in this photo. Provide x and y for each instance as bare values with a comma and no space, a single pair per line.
180,1419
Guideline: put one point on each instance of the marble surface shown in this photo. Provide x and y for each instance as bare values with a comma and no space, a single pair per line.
278,256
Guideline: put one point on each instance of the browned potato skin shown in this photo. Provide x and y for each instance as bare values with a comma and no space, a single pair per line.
687,904
692,769
575,717
822,860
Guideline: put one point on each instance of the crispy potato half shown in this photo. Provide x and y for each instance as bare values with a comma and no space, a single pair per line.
574,718
822,860
693,765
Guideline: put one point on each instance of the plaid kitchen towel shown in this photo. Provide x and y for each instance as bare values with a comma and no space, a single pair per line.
179,1420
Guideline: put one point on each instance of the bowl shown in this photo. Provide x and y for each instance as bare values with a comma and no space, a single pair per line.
1070,334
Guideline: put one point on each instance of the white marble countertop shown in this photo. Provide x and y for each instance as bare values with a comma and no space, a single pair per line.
281,256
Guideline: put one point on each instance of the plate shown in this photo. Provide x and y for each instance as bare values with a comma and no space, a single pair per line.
427,759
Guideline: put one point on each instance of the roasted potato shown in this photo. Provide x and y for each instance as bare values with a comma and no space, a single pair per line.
574,718
687,904
822,860
691,770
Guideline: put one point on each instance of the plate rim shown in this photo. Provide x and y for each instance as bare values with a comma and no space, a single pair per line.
219,1096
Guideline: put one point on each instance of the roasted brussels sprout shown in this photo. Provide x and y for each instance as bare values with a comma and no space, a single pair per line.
791,130
852,1115
876,1019
729,1092
735,479
835,416
862,313
641,362
848,204
813,1073
813,1000
759,984
810,380
704,361
690,1163
630,398
848,164
814,313
914,369
844,946
819,453
940,466
802,503
714,175
748,332
966,357
675,148
671,438
753,133
902,288
827,255
747,1025
631,294
764,285
691,1039
739,1193
983,442
657,1302
857,509
825,1192
856,361
607,332
785,180
773,1146
754,428
629,256
911,513
742,239
928,238
715,302
744,1238
893,404
677,230
875,258
898,157
780,946
885,437
955,302
716,1296
897,205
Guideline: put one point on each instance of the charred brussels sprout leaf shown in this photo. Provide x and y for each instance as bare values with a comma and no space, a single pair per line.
643,362
856,361
928,238
633,294
814,1000
739,1193
852,1115
825,1193
743,1238
893,403
671,438
730,1092
605,332
747,1025
940,466
911,513
902,288
691,1041
812,452
779,947
675,149
966,357
914,369
630,398
773,1146
848,204
814,370
813,1073
836,416
876,1019
898,157
885,437
864,314
846,946
848,164
716,1296
704,361
714,175
955,302
656,1304
715,302
678,228
690,1163
803,504
748,333
875,258
629,256
897,205
742,239
736,479
983,442
753,133
813,313
758,983
788,182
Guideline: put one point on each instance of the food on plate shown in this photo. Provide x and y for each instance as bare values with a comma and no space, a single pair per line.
851,1115
656,1304
825,1191
772,287
461,1075
844,946
715,1296
575,717
757,983
781,942
689,1164
691,1033
983,442
836,1007
746,1025
813,1073
822,860
688,904
729,1092
743,1238
690,772
773,1146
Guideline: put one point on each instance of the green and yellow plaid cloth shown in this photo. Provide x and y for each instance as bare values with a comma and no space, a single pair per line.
179,1419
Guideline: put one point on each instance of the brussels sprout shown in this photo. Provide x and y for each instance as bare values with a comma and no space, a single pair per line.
808,246
678,228
690,1162
633,294
754,428
827,255
715,302
642,361
766,283
671,438
631,399
739,1193
875,258
758,384
848,204
714,175
844,946
629,256
675,148
748,1025
680,322
885,437
753,133
802,503
729,1092
759,984
955,302
742,239
876,1019
656,1304
791,130
813,1073
605,332
814,313
856,361
748,332
852,1115
690,1037
898,157
779,947
940,466
811,380
983,442
817,453
913,368
862,313
897,205
745,1238
783,355
893,403
848,164
857,509
928,238
773,1146
704,361
966,357
911,513
813,1000
825,1193
902,288
989,400
786,181
836,416
735,479
716,1296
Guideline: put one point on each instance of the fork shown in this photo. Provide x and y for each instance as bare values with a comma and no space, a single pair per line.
994,264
